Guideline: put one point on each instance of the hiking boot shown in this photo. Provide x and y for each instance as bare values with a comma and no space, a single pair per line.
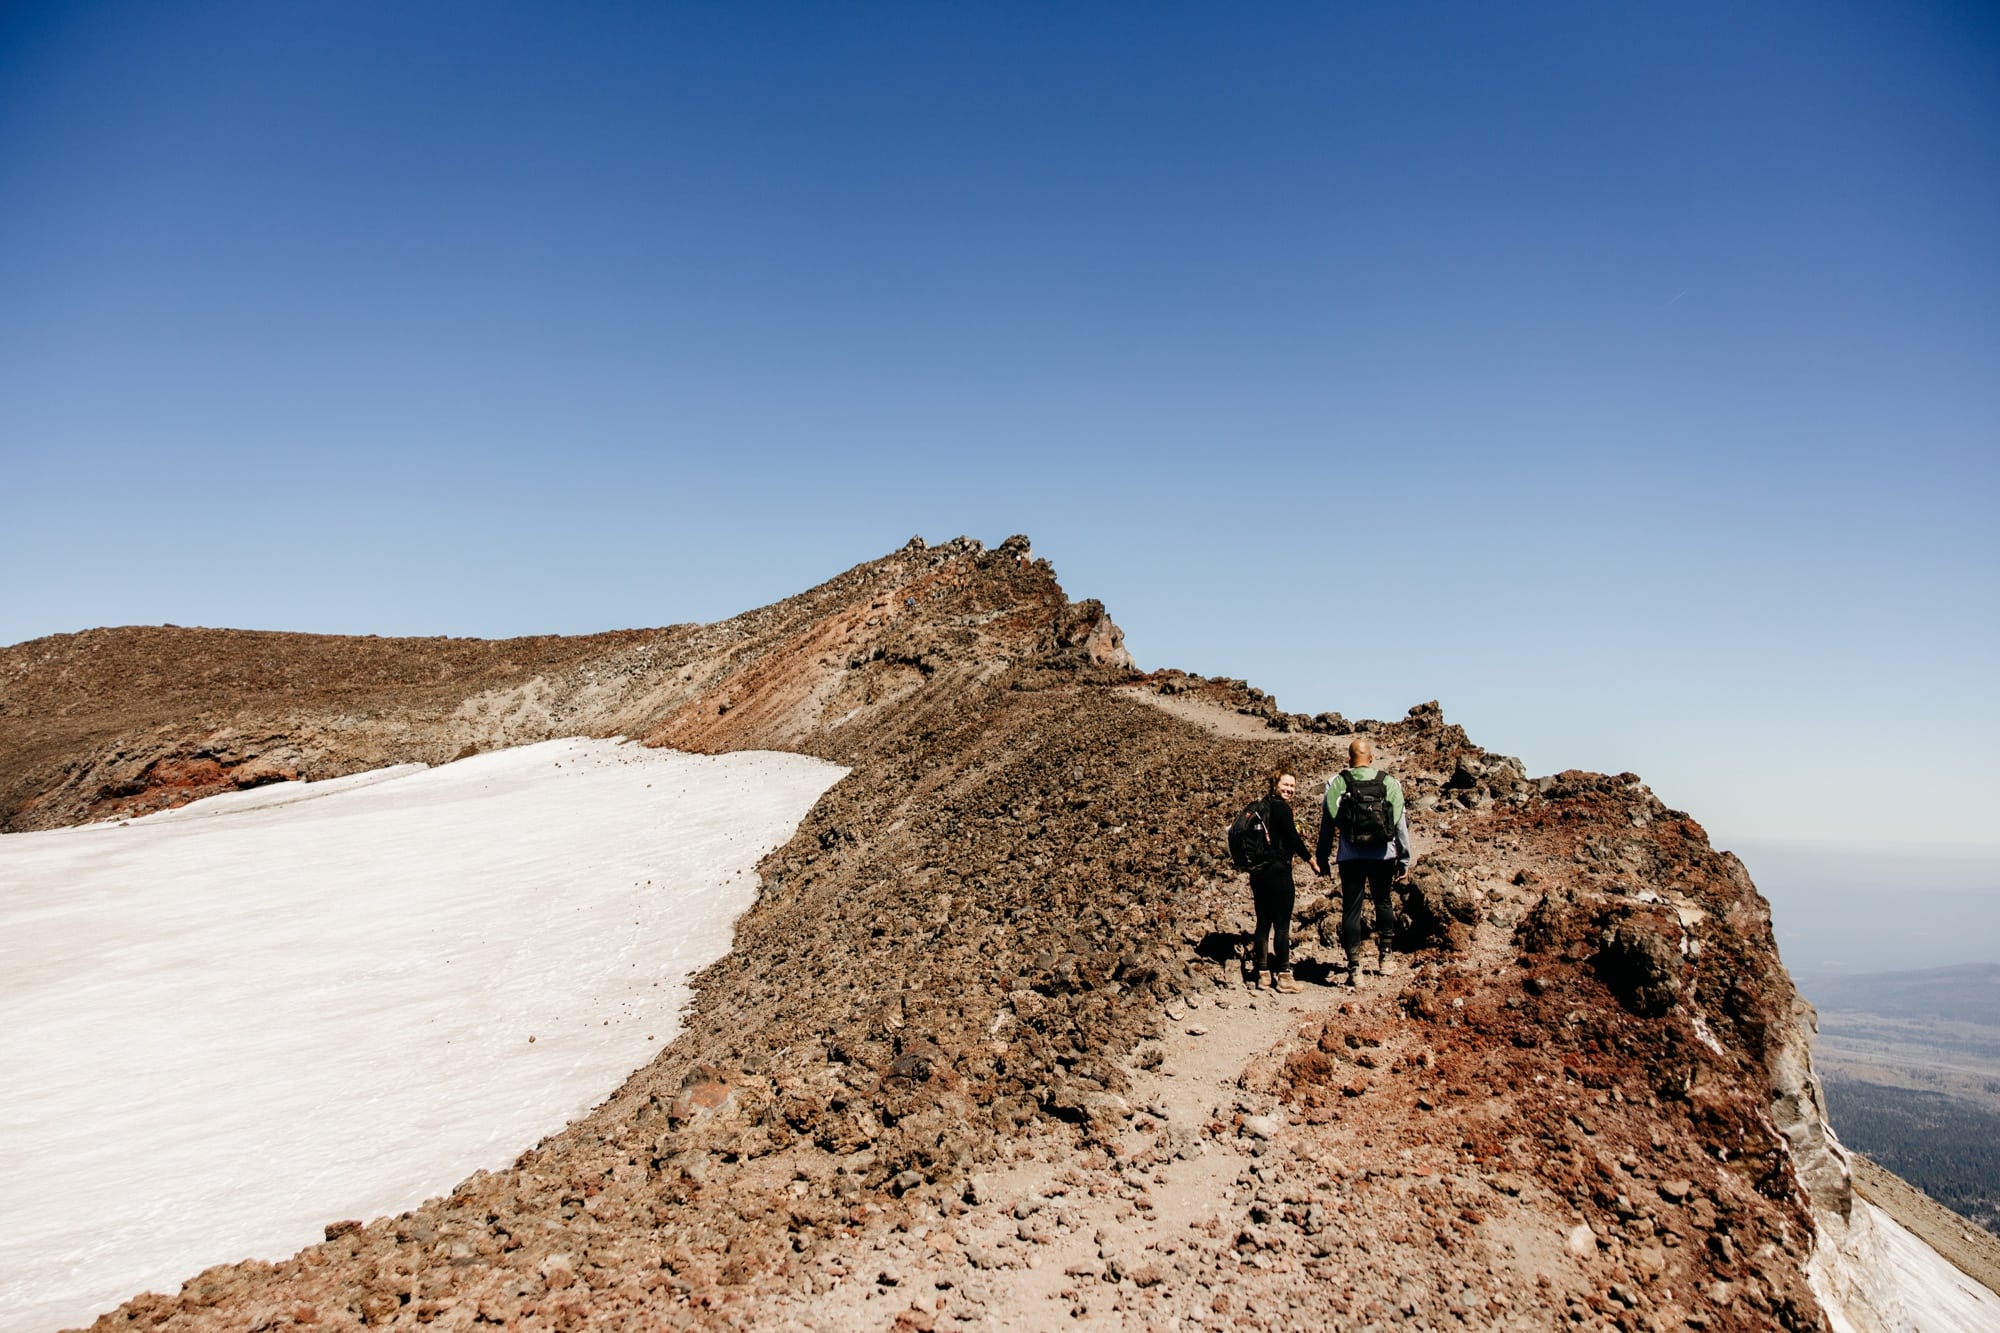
1285,985
1351,978
1260,981
1388,965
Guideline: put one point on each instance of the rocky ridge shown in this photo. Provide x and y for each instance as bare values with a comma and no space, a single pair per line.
981,1055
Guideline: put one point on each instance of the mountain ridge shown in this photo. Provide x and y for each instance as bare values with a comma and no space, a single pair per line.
1590,1101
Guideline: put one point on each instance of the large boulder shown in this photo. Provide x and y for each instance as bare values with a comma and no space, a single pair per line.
1639,958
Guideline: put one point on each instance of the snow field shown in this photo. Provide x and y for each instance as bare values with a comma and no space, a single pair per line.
1882,1278
226,1025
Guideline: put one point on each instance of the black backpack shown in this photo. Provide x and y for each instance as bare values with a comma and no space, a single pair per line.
1363,818
1250,838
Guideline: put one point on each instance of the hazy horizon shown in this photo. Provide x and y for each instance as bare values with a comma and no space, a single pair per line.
1839,913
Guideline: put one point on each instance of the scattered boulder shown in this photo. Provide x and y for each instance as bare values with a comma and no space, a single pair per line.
1102,1112
1640,960
1441,911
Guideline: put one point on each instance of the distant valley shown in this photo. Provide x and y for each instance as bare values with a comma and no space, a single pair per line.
1911,1063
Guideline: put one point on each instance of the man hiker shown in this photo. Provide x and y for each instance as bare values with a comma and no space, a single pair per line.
1365,809
1271,886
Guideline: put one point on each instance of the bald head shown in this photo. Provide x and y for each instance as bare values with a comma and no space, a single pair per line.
1360,754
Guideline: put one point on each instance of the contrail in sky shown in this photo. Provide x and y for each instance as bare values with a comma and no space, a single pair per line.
1683,292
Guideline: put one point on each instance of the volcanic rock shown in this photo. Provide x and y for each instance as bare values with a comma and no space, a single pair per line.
916,1073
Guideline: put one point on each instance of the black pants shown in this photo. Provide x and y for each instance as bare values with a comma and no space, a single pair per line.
1271,887
1370,879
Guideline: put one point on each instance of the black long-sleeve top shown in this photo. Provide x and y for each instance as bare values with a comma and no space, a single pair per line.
1284,829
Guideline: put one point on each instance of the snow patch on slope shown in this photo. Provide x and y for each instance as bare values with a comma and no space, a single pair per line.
1881,1278
226,1025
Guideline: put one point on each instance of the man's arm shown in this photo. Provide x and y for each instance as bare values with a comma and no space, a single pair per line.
1396,812
1327,810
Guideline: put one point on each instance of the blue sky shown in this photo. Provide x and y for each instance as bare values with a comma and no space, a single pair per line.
1625,376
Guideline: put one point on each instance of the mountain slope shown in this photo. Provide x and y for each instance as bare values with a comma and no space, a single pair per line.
980,1029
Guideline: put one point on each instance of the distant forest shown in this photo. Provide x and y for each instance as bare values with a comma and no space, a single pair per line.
1946,1147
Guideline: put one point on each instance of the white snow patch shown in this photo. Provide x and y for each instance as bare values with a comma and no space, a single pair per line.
1882,1278
224,1026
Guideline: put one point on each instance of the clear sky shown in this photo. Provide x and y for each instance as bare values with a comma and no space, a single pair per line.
1626,376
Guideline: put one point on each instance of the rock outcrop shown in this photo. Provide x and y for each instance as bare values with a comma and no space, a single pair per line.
982,1053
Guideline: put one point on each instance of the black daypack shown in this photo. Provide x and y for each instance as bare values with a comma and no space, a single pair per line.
1250,842
1363,818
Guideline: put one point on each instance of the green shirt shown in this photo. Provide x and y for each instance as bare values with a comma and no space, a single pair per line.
1397,847
1338,788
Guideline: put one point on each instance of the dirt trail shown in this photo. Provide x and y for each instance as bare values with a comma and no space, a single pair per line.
1212,715
1222,1203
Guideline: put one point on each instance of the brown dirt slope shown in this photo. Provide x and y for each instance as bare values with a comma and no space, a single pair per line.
120,722
112,723
962,1069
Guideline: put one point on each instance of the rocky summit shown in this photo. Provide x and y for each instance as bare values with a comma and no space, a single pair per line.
983,1055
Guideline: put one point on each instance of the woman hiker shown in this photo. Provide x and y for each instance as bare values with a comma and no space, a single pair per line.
1271,887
